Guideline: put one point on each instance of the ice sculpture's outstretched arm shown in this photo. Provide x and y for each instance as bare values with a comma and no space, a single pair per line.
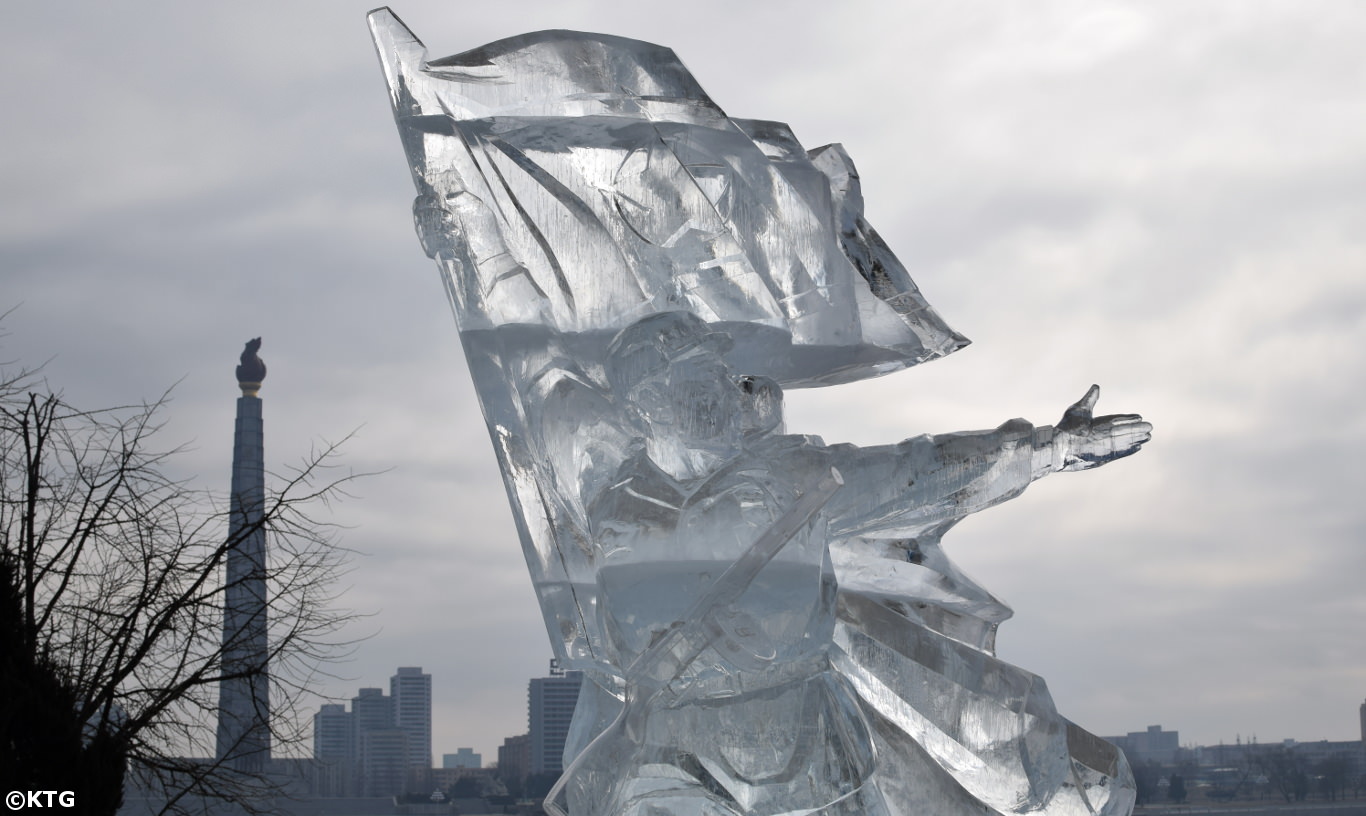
901,490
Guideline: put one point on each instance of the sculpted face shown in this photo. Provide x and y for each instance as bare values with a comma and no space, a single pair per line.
705,401
694,405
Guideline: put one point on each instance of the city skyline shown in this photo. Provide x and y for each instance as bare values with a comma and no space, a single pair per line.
1162,200
538,703
546,710
374,748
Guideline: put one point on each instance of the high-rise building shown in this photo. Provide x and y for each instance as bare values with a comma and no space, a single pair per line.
411,691
243,693
550,707
1152,745
462,758
514,759
334,733
373,710
334,751
384,761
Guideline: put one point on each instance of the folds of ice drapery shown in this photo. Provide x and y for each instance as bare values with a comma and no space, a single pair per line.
635,277
580,181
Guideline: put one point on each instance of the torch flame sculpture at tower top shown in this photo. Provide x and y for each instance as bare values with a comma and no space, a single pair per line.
767,624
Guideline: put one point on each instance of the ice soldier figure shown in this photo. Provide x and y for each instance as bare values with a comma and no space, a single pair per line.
767,624
710,472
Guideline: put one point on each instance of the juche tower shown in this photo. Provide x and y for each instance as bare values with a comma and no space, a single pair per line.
243,692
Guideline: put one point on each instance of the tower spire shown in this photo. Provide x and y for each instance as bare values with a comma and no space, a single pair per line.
243,692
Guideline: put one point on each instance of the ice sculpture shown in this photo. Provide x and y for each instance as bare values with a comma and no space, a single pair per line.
768,622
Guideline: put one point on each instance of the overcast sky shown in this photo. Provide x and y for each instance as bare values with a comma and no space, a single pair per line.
1166,198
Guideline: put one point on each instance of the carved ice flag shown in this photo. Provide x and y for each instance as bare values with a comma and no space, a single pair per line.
582,181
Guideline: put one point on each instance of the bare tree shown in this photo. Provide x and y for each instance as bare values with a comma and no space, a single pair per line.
1334,774
1284,770
111,604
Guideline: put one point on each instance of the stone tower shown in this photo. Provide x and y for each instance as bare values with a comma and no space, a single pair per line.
244,693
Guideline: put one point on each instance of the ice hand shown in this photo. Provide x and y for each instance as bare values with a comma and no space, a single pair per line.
1088,442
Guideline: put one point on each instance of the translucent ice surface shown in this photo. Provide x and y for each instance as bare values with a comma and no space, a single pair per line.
768,622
